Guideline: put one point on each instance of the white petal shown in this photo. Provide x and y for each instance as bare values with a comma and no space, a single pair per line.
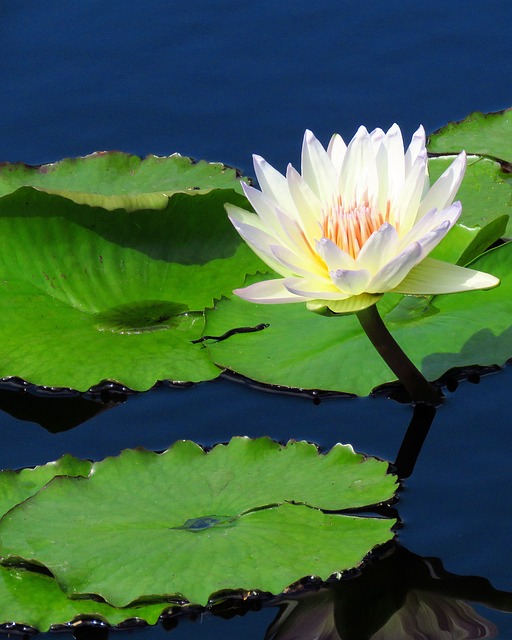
416,147
237,214
443,191
359,180
307,204
379,249
272,183
381,160
394,145
268,292
377,136
407,202
429,241
265,207
314,288
258,239
351,281
317,169
395,271
348,305
434,276
336,151
431,221
253,233
297,240
295,263
334,257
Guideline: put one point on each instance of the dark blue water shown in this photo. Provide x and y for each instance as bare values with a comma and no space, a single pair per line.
220,81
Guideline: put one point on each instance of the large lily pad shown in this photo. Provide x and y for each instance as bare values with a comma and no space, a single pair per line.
185,522
482,134
97,294
303,349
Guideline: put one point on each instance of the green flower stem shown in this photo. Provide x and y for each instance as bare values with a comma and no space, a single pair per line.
419,389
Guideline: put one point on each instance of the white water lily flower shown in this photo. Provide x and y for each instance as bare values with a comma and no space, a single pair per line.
359,221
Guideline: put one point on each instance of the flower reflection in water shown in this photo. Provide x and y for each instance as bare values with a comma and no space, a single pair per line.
430,616
423,616
383,604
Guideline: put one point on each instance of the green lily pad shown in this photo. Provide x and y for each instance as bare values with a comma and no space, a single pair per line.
16,486
485,192
115,295
116,180
33,599
244,515
481,134
463,244
306,350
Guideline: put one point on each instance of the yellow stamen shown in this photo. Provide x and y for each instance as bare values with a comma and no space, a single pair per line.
349,227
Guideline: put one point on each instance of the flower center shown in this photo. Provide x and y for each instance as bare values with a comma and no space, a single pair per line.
349,227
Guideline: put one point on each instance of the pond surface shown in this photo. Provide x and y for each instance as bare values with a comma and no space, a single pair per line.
454,507
220,81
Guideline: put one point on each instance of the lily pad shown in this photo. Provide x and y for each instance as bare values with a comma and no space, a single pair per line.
189,523
481,134
16,486
33,599
118,295
302,349
116,180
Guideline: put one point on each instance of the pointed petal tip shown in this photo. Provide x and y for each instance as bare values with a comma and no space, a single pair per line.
487,280
310,140
361,132
478,281
231,210
420,132
460,159
258,160
246,188
309,137
268,292
290,171
336,139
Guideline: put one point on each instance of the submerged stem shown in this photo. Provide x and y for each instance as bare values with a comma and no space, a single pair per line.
414,382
